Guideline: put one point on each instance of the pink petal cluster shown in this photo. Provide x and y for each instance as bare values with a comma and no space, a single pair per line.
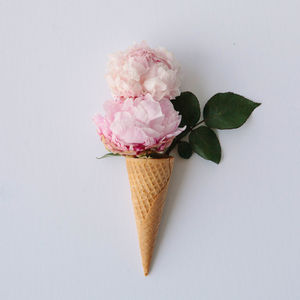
141,70
135,126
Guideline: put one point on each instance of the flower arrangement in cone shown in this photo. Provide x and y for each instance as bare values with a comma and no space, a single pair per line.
148,117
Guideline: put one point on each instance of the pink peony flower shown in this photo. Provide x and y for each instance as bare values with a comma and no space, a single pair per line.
140,70
137,126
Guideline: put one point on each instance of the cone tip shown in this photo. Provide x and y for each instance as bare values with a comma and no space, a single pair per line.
146,271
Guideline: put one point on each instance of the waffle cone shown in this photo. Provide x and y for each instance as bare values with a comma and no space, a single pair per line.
149,179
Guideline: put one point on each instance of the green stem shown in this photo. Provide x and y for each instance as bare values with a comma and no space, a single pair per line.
198,124
180,136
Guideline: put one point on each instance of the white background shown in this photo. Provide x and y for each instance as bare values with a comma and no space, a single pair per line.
67,231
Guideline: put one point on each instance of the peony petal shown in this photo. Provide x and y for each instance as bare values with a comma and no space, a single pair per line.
140,70
137,125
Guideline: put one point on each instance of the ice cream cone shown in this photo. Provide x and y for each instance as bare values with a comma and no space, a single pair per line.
149,179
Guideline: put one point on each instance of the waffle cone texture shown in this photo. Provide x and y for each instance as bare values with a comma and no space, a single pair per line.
149,179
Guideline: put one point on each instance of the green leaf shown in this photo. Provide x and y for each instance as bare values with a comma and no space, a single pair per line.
108,155
206,144
184,150
188,107
228,110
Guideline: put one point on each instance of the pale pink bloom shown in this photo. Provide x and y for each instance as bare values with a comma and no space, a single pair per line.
135,126
141,70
